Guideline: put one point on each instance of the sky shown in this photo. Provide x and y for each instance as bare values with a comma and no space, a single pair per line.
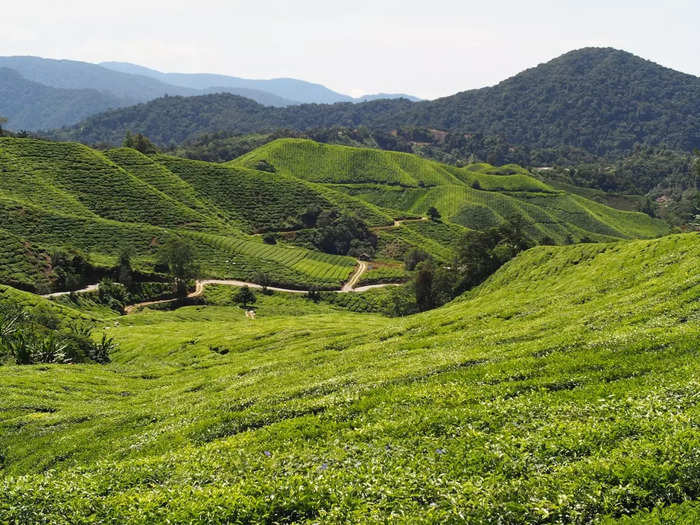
426,48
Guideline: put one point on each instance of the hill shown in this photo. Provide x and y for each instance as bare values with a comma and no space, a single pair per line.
171,120
476,196
68,196
601,101
30,106
564,389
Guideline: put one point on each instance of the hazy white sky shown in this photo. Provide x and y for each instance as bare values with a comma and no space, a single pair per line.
428,48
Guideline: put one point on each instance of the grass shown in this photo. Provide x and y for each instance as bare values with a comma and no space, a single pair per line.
563,389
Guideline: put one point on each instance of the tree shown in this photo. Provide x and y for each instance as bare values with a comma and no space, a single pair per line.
424,286
125,273
139,143
413,257
244,296
179,257
3,121
433,214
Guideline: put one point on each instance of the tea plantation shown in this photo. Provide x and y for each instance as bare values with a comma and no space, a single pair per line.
69,196
564,389
477,196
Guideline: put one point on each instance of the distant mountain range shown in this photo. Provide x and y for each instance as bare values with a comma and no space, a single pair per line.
600,100
294,91
32,86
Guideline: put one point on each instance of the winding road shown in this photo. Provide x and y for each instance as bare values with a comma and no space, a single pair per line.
200,284
350,286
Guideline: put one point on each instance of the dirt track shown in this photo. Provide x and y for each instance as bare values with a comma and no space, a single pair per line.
348,287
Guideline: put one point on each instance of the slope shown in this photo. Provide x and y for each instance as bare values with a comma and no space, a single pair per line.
57,195
562,390
32,106
476,196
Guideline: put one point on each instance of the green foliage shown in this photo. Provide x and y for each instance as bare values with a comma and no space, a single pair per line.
244,296
139,143
40,335
179,256
433,214
563,389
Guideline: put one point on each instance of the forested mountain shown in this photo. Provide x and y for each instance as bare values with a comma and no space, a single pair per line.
602,101
29,105
41,93
171,120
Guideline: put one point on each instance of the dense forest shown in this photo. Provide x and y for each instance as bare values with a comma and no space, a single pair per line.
601,101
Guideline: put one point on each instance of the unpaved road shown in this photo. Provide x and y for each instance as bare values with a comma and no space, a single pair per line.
199,288
398,223
89,288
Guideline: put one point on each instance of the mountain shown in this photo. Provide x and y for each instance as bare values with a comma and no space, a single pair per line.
30,106
602,101
171,120
72,74
288,88
79,89
599,99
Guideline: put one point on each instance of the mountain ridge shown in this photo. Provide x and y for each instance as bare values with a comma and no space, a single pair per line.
600,100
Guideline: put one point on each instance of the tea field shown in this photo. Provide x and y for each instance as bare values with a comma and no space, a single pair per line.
476,196
64,196
564,389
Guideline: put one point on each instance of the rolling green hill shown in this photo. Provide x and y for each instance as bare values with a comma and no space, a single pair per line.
477,196
57,195
66,195
563,389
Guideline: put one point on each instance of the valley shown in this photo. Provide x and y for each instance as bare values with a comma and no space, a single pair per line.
254,299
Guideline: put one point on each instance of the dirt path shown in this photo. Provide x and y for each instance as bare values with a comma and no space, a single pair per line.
354,279
89,288
397,223
348,287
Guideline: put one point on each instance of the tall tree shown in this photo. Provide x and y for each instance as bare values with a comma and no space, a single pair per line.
180,258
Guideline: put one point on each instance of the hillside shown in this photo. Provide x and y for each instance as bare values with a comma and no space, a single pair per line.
31,106
602,101
599,99
476,196
564,389
68,196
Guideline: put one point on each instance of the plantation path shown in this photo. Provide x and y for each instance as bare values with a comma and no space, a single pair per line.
89,288
397,223
348,287
200,284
